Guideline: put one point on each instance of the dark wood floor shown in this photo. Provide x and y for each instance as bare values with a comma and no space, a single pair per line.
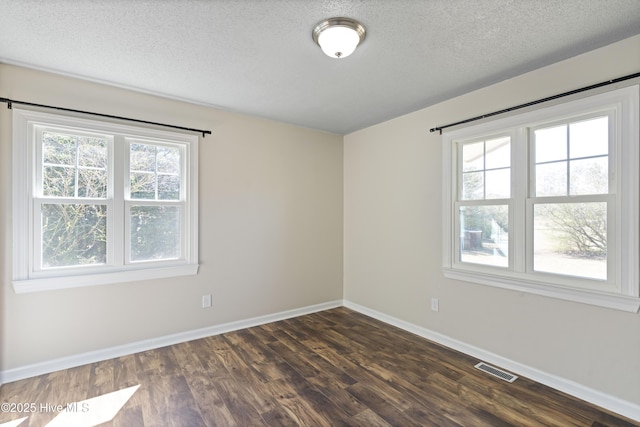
332,368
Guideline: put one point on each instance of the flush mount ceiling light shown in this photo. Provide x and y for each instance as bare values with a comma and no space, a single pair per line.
338,37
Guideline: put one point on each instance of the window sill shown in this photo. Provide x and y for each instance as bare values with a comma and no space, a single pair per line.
616,302
77,281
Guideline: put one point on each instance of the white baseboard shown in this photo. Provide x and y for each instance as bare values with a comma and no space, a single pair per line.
606,401
67,362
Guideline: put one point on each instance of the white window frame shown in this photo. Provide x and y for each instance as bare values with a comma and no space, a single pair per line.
27,275
622,289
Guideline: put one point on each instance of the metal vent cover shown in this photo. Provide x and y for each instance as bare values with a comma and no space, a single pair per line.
492,370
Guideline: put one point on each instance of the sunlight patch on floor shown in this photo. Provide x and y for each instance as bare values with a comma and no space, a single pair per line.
94,411
13,423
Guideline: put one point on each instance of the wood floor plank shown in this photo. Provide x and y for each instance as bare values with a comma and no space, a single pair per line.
446,402
340,397
101,378
210,403
295,405
182,409
496,395
331,368
368,418
130,415
293,359
248,346
279,416
124,371
388,411
234,397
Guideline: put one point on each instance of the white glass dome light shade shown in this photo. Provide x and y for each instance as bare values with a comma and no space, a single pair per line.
338,42
338,37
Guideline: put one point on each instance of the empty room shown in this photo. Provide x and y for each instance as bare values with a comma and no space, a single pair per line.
319,213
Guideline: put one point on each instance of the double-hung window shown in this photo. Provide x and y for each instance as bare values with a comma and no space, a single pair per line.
546,202
98,202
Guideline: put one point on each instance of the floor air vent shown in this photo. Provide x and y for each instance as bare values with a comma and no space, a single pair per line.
496,372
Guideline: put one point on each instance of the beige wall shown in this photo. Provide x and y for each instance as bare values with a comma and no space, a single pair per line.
393,237
270,229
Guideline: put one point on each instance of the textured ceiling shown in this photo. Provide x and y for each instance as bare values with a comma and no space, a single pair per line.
257,56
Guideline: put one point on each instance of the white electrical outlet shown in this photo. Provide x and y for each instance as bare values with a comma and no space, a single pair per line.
206,301
435,304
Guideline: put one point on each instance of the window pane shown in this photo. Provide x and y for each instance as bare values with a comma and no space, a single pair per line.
571,239
73,235
589,138
168,160
142,157
498,153
551,179
74,166
155,232
473,186
59,181
498,184
155,172
551,144
473,157
589,176
58,149
484,235
143,186
92,152
486,169
168,187
92,183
